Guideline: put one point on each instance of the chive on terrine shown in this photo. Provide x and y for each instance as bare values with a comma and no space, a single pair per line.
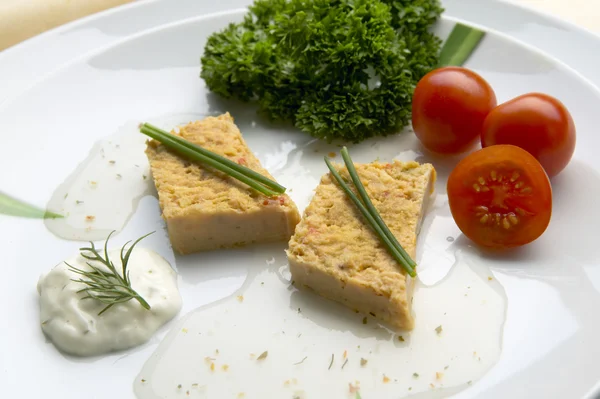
335,253
205,209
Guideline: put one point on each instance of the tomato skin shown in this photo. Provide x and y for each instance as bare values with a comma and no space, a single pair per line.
500,197
449,107
536,122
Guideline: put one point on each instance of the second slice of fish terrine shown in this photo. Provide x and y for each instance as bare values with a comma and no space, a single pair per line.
335,253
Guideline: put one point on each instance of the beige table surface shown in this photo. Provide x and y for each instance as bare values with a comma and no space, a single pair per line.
22,19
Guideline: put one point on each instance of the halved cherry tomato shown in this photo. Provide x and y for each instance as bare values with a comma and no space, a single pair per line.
500,197
538,123
449,107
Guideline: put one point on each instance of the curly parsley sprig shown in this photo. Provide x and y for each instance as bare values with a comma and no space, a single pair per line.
341,69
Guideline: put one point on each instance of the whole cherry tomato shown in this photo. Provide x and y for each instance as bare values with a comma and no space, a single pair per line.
449,107
538,123
500,197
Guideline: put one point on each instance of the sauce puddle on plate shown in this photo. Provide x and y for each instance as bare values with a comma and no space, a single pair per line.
270,340
103,192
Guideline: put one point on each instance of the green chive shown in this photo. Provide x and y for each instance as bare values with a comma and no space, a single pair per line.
371,208
228,162
168,141
14,207
460,44
384,238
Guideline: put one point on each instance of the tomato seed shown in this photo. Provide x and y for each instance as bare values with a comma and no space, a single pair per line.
527,190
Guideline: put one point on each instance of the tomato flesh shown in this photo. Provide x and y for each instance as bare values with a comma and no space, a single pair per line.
538,123
449,107
500,197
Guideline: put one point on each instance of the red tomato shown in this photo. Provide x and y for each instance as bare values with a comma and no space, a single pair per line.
449,107
500,197
538,123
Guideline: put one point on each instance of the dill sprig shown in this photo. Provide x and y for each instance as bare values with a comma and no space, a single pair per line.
107,286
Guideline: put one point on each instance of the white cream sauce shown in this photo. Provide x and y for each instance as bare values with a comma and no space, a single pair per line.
73,323
104,191
214,352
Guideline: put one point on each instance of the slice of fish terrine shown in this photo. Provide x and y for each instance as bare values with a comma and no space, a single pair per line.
205,209
335,253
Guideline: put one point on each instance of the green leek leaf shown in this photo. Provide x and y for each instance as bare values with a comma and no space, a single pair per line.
460,45
14,207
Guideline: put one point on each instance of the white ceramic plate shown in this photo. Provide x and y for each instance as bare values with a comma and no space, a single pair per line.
76,85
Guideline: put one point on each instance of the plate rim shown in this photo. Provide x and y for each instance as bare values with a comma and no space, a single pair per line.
26,50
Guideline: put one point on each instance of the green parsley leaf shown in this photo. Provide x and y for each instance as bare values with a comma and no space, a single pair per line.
342,69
